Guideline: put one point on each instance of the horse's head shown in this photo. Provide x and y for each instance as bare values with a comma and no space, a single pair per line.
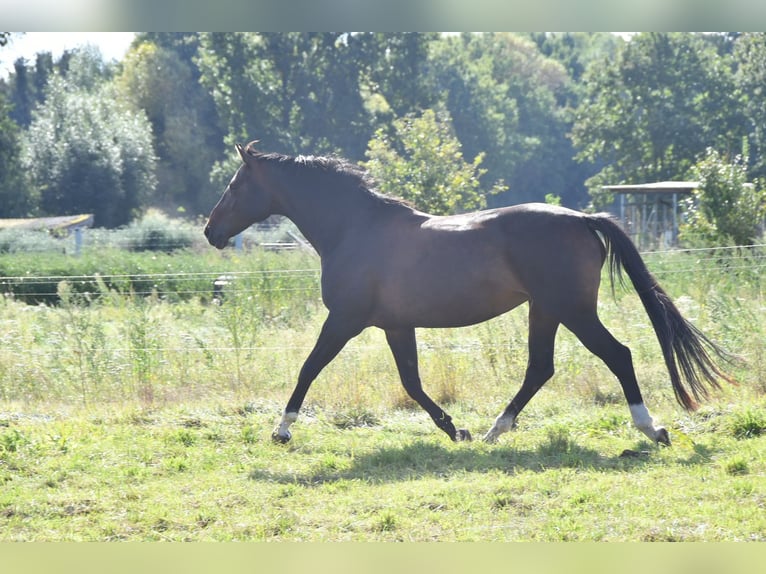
244,201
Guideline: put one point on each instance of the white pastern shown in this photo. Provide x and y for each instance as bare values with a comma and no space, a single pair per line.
284,425
644,422
503,424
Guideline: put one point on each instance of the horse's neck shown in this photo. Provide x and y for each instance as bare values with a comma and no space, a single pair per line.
324,220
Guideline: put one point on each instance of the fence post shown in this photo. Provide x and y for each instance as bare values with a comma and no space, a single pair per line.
77,241
238,242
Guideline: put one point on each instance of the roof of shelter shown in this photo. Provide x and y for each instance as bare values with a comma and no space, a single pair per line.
658,187
60,222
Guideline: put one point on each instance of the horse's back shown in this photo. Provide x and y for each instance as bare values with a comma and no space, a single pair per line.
458,270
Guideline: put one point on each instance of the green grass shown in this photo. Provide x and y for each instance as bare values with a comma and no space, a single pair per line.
212,473
126,417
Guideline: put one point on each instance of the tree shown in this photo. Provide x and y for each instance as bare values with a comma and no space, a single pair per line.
576,50
294,91
320,93
158,81
750,57
21,94
25,88
648,113
424,164
16,196
398,70
505,100
88,152
725,208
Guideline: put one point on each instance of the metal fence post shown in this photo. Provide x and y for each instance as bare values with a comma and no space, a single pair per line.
77,241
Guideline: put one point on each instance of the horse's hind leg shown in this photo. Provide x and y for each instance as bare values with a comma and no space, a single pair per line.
542,336
599,341
404,348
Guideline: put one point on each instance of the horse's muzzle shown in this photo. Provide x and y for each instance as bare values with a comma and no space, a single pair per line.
217,240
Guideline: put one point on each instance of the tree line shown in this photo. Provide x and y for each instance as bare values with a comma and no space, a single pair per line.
450,121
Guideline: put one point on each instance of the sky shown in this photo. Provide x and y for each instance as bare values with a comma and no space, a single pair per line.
113,45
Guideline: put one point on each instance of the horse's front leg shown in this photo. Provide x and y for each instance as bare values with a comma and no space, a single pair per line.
404,347
333,337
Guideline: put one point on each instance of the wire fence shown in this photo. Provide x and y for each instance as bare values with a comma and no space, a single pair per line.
184,284
726,259
135,341
696,260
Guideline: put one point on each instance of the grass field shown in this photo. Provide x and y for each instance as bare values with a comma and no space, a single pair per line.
129,416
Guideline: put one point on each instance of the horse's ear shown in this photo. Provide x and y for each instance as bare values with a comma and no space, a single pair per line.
241,151
248,152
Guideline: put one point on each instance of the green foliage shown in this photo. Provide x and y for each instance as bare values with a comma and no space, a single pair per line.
105,266
17,197
156,232
26,241
429,171
89,153
504,98
724,208
294,91
750,76
650,111
559,114
162,82
749,424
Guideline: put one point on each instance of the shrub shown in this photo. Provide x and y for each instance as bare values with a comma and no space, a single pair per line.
725,209
24,241
748,424
156,232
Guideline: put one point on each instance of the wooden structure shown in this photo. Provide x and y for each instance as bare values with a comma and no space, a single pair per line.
60,223
649,212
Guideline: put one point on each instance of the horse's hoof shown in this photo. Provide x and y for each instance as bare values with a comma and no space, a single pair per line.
463,435
281,438
663,437
490,438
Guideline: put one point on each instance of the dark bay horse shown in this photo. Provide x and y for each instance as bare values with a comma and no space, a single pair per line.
388,265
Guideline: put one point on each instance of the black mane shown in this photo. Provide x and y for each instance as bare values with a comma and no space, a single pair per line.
349,174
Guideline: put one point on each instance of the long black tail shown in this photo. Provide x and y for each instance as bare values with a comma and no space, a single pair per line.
685,348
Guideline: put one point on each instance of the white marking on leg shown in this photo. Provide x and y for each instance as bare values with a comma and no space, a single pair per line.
503,424
284,426
644,422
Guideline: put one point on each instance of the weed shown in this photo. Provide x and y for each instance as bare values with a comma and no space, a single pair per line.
186,438
736,467
176,464
354,417
250,435
11,441
748,424
611,422
386,522
558,442
143,335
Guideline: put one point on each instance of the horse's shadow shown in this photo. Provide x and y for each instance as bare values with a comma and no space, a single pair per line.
422,459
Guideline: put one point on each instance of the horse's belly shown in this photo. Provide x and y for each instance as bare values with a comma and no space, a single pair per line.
454,301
